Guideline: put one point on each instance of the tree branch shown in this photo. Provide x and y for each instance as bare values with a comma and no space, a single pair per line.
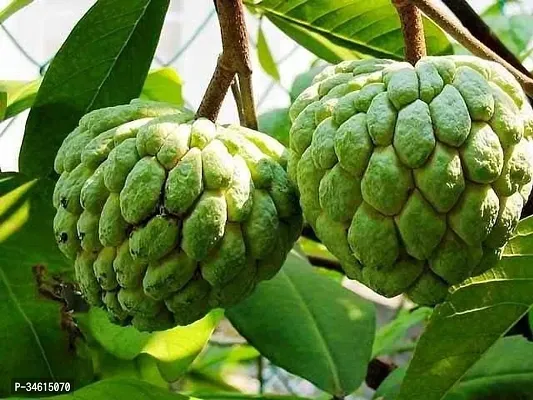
465,38
412,29
235,59
477,27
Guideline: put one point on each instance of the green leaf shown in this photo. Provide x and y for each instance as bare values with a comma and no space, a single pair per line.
522,241
202,381
13,7
224,354
514,31
266,60
144,367
3,104
174,349
34,342
464,327
163,84
103,62
20,96
244,396
336,30
130,389
306,323
304,80
276,123
505,371
388,337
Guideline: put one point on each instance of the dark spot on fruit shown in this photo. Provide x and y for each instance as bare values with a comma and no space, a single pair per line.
64,202
63,237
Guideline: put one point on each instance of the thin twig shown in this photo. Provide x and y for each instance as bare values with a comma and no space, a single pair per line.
235,59
412,29
477,27
236,91
465,38
326,263
248,105
260,376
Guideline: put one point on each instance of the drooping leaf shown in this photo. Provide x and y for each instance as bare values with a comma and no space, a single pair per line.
388,337
35,341
342,29
12,8
163,84
276,123
174,349
130,389
464,327
504,372
103,62
306,323
265,56
20,96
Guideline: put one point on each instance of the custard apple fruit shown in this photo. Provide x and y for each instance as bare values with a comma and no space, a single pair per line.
414,177
168,217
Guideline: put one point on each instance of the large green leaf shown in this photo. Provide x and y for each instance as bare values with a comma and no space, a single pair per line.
174,349
35,341
463,328
504,372
163,84
12,8
103,62
310,325
341,29
130,389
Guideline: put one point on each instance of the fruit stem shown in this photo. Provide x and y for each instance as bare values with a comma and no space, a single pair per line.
236,91
457,31
477,27
412,29
234,60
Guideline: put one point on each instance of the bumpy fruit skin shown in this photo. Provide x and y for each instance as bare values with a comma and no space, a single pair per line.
414,177
168,217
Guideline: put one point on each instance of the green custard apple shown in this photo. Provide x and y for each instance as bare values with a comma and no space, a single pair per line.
167,217
413,176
